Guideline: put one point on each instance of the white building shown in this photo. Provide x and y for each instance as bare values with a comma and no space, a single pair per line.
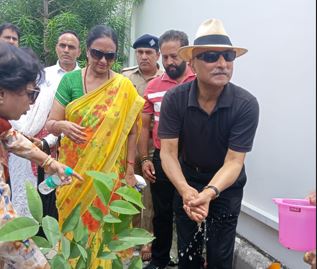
279,70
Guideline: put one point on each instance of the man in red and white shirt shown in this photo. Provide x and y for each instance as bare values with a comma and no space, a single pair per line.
176,72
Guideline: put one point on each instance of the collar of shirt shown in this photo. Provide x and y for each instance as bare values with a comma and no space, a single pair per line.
225,99
157,74
54,73
59,69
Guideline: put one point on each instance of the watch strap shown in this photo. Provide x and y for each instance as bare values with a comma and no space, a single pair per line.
213,188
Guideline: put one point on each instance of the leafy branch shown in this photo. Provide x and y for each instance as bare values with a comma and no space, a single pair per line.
72,238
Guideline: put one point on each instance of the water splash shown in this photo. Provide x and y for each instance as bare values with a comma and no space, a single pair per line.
195,247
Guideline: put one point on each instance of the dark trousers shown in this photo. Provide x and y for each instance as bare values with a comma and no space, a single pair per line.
220,224
162,196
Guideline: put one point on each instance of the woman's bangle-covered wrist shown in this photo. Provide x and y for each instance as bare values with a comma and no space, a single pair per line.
145,159
47,162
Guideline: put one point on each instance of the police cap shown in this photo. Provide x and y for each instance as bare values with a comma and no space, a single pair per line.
146,41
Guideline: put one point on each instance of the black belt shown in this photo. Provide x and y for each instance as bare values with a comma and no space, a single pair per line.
197,168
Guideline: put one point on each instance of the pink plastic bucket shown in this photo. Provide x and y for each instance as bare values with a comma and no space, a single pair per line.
297,224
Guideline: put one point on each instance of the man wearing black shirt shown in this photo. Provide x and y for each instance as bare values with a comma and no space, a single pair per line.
206,127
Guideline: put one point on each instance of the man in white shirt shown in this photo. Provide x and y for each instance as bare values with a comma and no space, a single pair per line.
32,124
67,50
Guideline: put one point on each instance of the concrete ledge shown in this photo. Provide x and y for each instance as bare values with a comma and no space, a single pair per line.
248,256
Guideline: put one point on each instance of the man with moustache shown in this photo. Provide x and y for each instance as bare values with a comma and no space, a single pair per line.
67,50
10,34
32,124
206,128
176,72
147,54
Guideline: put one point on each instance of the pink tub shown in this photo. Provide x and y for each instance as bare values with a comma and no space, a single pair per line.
297,224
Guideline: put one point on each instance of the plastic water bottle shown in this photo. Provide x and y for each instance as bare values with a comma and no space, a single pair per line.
140,183
52,182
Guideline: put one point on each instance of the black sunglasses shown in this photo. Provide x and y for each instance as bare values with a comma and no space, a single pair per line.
213,56
98,55
33,94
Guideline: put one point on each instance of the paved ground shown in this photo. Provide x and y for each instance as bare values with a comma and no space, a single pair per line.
246,256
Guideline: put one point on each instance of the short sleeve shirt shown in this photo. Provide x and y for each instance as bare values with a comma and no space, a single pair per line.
70,88
205,139
154,94
138,80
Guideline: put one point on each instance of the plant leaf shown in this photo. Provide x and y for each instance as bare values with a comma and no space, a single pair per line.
102,191
125,223
51,230
58,262
117,264
74,251
136,263
111,219
20,228
79,231
72,220
84,240
96,213
131,195
107,179
34,201
82,251
81,264
108,256
65,247
118,245
41,242
136,236
107,233
123,207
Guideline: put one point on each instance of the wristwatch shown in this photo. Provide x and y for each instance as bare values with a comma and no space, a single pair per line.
214,188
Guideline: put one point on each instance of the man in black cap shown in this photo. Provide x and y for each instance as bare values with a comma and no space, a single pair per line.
147,54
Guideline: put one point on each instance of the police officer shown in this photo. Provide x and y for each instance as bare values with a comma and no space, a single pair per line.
147,54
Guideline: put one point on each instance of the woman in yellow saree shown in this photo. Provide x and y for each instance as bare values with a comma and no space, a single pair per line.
97,110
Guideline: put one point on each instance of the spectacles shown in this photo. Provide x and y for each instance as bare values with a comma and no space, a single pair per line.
98,55
213,56
33,94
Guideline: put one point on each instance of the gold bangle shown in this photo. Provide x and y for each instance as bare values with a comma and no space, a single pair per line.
145,158
48,161
144,161
45,161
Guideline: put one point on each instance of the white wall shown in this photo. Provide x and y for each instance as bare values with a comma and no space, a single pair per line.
279,70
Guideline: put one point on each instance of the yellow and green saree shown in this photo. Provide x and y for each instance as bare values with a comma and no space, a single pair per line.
108,113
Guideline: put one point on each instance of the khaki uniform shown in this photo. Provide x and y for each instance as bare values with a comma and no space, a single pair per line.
135,75
144,220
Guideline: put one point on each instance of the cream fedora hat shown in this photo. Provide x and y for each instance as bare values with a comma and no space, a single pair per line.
210,35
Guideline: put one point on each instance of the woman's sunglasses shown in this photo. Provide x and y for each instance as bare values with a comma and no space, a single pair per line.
33,94
98,55
213,56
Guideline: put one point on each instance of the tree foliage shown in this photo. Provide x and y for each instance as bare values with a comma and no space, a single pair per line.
41,22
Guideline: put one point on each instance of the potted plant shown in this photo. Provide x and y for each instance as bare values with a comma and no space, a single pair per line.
70,242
